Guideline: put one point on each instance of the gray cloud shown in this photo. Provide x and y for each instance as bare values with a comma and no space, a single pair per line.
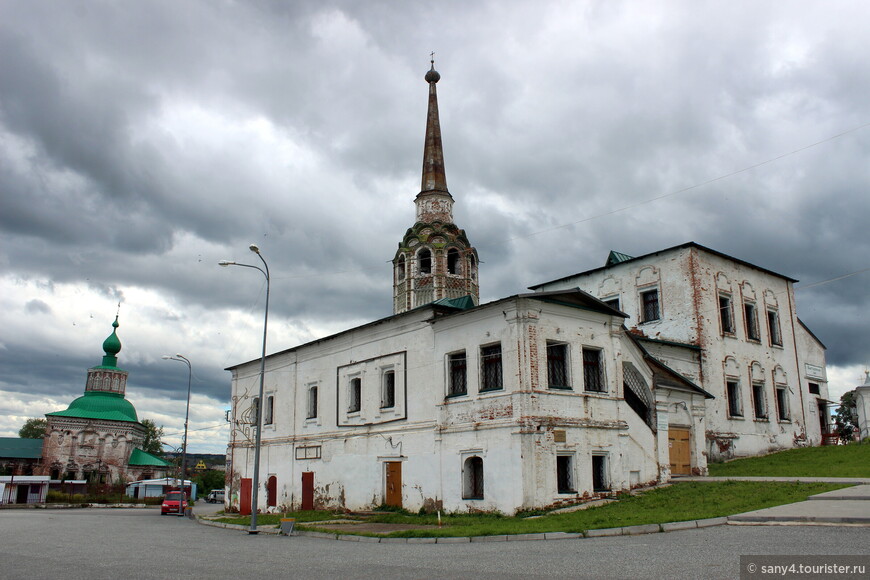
140,144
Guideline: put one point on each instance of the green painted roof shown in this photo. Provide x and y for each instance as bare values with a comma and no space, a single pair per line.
139,457
18,448
617,257
100,405
462,303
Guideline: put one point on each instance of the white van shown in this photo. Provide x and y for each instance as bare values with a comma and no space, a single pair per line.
215,496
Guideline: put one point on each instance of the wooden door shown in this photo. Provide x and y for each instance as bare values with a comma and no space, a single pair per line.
680,451
272,491
307,490
394,483
245,496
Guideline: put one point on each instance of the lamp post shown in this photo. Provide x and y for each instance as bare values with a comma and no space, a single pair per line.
183,359
258,438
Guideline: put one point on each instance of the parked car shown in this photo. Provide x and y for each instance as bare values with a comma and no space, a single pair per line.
170,503
215,496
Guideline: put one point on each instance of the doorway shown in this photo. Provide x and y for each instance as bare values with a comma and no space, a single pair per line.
307,490
680,451
245,496
394,483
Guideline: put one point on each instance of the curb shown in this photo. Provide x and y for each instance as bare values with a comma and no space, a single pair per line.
535,537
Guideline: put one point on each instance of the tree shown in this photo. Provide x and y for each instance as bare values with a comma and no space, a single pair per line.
33,428
847,417
152,443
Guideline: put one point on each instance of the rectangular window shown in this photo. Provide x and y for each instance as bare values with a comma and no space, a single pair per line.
557,366
612,302
490,368
814,389
751,317
759,401
388,396
600,481
593,377
773,327
735,408
650,305
456,375
268,414
565,474
726,317
355,395
782,403
312,402
255,412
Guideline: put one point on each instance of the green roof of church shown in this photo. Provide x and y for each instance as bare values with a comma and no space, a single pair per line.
18,448
99,405
139,457
462,303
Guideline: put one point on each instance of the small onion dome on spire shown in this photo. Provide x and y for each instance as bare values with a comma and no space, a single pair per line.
112,346
432,76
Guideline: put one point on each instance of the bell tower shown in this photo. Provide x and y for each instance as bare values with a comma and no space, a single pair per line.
435,259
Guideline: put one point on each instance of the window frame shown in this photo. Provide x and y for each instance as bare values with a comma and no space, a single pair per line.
612,301
750,320
269,411
774,327
354,395
726,314
563,361
424,260
565,474
491,368
599,376
759,401
457,365
733,397
783,410
473,478
312,403
388,389
643,293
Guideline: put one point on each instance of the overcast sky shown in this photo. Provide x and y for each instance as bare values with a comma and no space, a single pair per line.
142,142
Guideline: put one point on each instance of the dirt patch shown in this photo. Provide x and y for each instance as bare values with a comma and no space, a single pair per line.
367,527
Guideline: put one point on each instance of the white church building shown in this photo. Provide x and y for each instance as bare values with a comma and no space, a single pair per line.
525,402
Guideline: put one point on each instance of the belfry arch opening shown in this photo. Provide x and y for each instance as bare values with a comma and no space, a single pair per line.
400,268
453,264
424,260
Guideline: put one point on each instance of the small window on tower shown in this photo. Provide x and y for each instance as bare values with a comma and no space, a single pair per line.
400,269
453,261
425,260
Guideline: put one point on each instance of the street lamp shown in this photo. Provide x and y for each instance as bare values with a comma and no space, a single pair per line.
183,359
256,483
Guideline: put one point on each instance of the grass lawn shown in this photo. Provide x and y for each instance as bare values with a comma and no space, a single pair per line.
851,460
679,502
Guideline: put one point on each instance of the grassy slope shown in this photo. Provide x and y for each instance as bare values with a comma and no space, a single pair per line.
684,501
831,461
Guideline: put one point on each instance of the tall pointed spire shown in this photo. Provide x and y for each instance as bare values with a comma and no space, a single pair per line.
434,178
435,260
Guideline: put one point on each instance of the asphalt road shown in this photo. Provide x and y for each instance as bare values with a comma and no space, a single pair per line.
96,544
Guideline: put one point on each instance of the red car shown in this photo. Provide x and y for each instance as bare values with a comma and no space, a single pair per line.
170,503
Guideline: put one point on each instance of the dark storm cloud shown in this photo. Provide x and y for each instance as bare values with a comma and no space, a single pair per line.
140,143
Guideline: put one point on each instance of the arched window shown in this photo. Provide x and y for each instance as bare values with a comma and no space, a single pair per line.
425,261
453,261
400,269
472,475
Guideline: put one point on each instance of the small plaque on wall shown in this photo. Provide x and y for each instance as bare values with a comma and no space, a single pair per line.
559,436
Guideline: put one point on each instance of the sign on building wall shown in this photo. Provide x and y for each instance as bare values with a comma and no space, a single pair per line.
814,371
